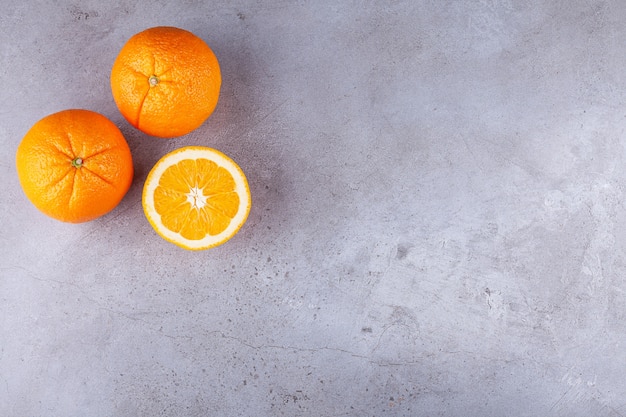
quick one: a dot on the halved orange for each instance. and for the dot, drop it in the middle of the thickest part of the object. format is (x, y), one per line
(196, 197)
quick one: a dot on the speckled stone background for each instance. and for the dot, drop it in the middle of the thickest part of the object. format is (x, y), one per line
(438, 223)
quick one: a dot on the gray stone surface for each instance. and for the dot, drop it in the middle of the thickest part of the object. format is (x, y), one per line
(438, 223)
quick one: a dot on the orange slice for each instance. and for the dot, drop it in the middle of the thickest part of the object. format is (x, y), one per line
(196, 197)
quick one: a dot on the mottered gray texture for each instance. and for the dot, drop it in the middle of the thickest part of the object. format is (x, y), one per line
(438, 224)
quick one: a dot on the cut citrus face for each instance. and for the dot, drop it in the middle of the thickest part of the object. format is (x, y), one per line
(196, 197)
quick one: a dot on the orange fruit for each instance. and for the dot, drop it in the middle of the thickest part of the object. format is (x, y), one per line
(166, 81)
(196, 197)
(74, 165)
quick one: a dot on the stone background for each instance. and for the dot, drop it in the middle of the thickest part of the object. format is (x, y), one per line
(438, 223)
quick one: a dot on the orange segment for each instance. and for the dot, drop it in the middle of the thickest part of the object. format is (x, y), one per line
(196, 197)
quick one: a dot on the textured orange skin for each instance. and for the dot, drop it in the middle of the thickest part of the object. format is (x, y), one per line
(61, 190)
(188, 87)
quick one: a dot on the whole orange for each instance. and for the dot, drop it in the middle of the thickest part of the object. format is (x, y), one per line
(74, 165)
(166, 81)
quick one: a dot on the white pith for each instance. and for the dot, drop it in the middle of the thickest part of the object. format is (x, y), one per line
(196, 197)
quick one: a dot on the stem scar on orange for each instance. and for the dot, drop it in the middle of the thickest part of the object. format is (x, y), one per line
(166, 81)
(74, 165)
